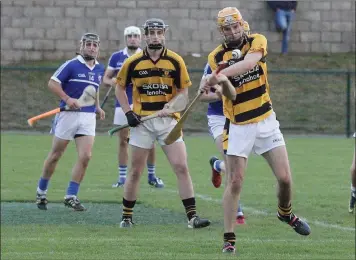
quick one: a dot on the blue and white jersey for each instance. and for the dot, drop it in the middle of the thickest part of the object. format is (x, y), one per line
(214, 108)
(115, 63)
(75, 75)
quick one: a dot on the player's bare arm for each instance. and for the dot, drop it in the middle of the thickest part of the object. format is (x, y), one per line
(99, 110)
(227, 89)
(56, 88)
(209, 96)
(243, 66)
(109, 78)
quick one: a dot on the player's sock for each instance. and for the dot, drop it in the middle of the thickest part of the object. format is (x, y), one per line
(285, 213)
(122, 173)
(230, 238)
(190, 208)
(353, 189)
(239, 211)
(217, 165)
(127, 208)
(151, 168)
(42, 185)
(72, 189)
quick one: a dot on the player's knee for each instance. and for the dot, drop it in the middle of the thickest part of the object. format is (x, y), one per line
(85, 158)
(136, 172)
(123, 142)
(285, 180)
(236, 184)
(55, 156)
(180, 168)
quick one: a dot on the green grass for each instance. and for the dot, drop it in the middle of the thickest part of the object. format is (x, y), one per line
(320, 169)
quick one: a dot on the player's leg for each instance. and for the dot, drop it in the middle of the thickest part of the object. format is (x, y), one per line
(216, 129)
(238, 143)
(270, 144)
(153, 180)
(141, 142)
(218, 168)
(123, 157)
(352, 203)
(58, 147)
(84, 136)
(234, 179)
(84, 145)
(177, 156)
(63, 129)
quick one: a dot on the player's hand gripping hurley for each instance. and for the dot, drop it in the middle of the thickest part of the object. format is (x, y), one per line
(176, 131)
(177, 104)
(86, 99)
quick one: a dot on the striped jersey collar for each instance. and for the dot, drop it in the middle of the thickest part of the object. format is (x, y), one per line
(163, 53)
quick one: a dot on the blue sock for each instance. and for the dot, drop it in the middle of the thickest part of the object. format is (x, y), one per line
(43, 184)
(122, 173)
(73, 189)
(151, 168)
(217, 165)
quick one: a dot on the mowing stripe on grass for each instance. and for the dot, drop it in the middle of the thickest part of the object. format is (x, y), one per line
(108, 239)
(265, 213)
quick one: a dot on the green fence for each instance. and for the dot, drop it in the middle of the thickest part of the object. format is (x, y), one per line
(306, 101)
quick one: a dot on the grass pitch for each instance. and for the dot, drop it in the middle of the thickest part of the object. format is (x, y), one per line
(320, 169)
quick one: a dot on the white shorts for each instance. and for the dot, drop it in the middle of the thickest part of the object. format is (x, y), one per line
(120, 117)
(68, 124)
(216, 125)
(258, 137)
(145, 134)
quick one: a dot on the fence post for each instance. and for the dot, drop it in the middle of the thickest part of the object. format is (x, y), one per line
(348, 105)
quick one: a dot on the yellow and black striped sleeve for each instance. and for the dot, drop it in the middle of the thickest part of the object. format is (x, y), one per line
(185, 81)
(259, 43)
(124, 75)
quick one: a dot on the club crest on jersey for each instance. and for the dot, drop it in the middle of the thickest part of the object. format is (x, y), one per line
(166, 73)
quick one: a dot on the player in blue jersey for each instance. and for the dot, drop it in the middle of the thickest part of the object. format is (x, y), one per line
(133, 41)
(216, 122)
(68, 83)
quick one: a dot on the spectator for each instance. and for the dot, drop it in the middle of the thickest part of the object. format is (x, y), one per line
(284, 15)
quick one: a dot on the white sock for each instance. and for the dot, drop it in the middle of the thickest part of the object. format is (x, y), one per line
(41, 192)
(353, 189)
(70, 196)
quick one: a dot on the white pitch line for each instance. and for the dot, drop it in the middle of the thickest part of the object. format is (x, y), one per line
(264, 213)
(108, 239)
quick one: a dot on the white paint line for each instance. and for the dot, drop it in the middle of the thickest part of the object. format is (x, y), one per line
(264, 213)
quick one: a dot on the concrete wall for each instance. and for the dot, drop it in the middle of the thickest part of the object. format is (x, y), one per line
(51, 29)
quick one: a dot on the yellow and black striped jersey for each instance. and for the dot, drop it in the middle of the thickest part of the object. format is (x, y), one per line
(253, 102)
(154, 83)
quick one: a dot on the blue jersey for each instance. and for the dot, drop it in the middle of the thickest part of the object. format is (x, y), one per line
(214, 108)
(115, 63)
(75, 75)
